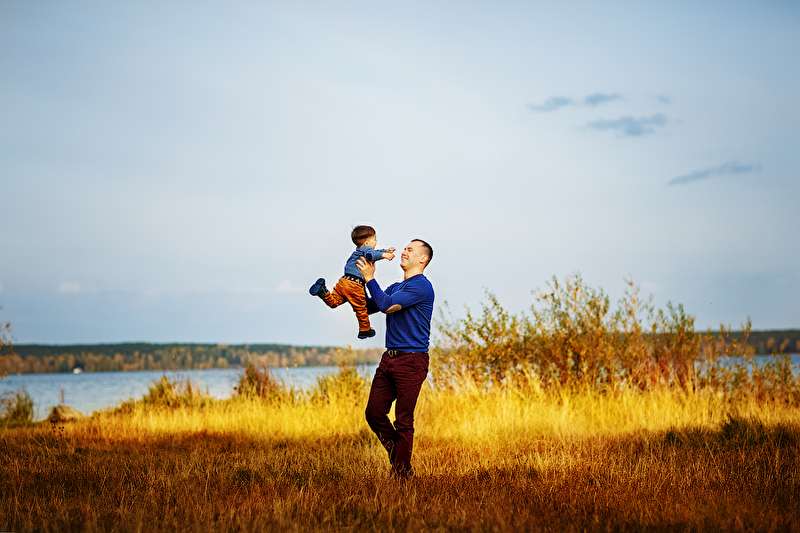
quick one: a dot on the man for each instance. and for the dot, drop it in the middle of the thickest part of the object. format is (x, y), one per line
(404, 365)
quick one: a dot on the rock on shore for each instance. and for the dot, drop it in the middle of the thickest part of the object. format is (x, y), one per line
(65, 413)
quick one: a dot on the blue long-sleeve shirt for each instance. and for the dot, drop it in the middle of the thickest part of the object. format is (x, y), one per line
(368, 252)
(408, 328)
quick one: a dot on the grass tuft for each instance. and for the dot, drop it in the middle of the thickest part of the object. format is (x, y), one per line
(16, 408)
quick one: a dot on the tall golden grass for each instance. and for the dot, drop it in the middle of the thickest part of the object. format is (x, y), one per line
(484, 461)
(494, 451)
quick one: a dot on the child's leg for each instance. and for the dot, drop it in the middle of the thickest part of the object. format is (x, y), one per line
(362, 316)
(357, 296)
(336, 297)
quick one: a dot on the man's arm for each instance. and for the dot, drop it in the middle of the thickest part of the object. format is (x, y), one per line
(380, 298)
(372, 307)
(402, 297)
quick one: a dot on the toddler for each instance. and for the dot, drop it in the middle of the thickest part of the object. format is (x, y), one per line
(350, 287)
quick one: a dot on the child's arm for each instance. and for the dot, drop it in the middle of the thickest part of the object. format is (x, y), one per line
(373, 255)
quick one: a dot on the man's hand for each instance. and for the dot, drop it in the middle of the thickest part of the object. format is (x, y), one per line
(366, 268)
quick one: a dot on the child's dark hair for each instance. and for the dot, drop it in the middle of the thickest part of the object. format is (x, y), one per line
(360, 234)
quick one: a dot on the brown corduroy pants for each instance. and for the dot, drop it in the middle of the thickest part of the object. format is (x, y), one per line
(347, 290)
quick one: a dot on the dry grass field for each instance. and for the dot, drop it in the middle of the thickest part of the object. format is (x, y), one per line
(654, 461)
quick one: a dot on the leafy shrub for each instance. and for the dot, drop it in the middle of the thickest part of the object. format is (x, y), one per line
(16, 407)
(258, 383)
(171, 393)
(345, 383)
(572, 339)
(180, 392)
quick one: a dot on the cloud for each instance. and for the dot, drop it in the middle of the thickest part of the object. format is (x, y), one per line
(68, 287)
(557, 102)
(725, 169)
(286, 286)
(664, 99)
(629, 126)
(552, 103)
(599, 98)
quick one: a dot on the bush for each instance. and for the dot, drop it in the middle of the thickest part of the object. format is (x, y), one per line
(171, 393)
(181, 392)
(258, 383)
(346, 383)
(16, 408)
(573, 340)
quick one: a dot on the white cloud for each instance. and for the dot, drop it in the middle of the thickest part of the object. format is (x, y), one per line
(286, 286)
(67, 287)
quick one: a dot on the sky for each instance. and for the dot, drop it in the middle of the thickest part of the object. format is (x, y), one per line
(184, 171)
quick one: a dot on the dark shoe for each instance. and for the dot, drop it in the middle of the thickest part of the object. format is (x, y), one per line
(318, 288)
(366, 334)
(400, 473)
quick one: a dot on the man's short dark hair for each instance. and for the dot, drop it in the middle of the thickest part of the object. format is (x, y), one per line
(360, 234)
(428, 250)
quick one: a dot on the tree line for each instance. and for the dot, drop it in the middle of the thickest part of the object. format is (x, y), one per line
(40, 358)
(771, 341)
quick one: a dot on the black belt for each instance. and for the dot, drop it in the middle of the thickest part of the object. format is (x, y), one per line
(353, 278)
(398, 353)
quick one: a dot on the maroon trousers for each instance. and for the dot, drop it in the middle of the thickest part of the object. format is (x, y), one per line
(397, 379)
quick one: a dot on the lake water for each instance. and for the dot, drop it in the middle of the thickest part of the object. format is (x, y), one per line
(93, 391)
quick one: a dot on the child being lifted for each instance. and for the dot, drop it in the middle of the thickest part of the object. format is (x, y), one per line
(350, 287)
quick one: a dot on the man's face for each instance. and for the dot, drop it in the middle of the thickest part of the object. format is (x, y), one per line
(412, 254)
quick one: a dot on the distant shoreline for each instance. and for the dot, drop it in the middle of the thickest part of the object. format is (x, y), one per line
(134, 356)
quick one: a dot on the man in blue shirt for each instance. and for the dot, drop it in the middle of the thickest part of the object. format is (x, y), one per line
(404, 365)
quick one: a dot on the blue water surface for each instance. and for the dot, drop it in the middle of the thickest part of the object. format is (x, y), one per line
(93, 391)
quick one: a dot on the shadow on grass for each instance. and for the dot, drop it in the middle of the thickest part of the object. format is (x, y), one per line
(736, 432)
